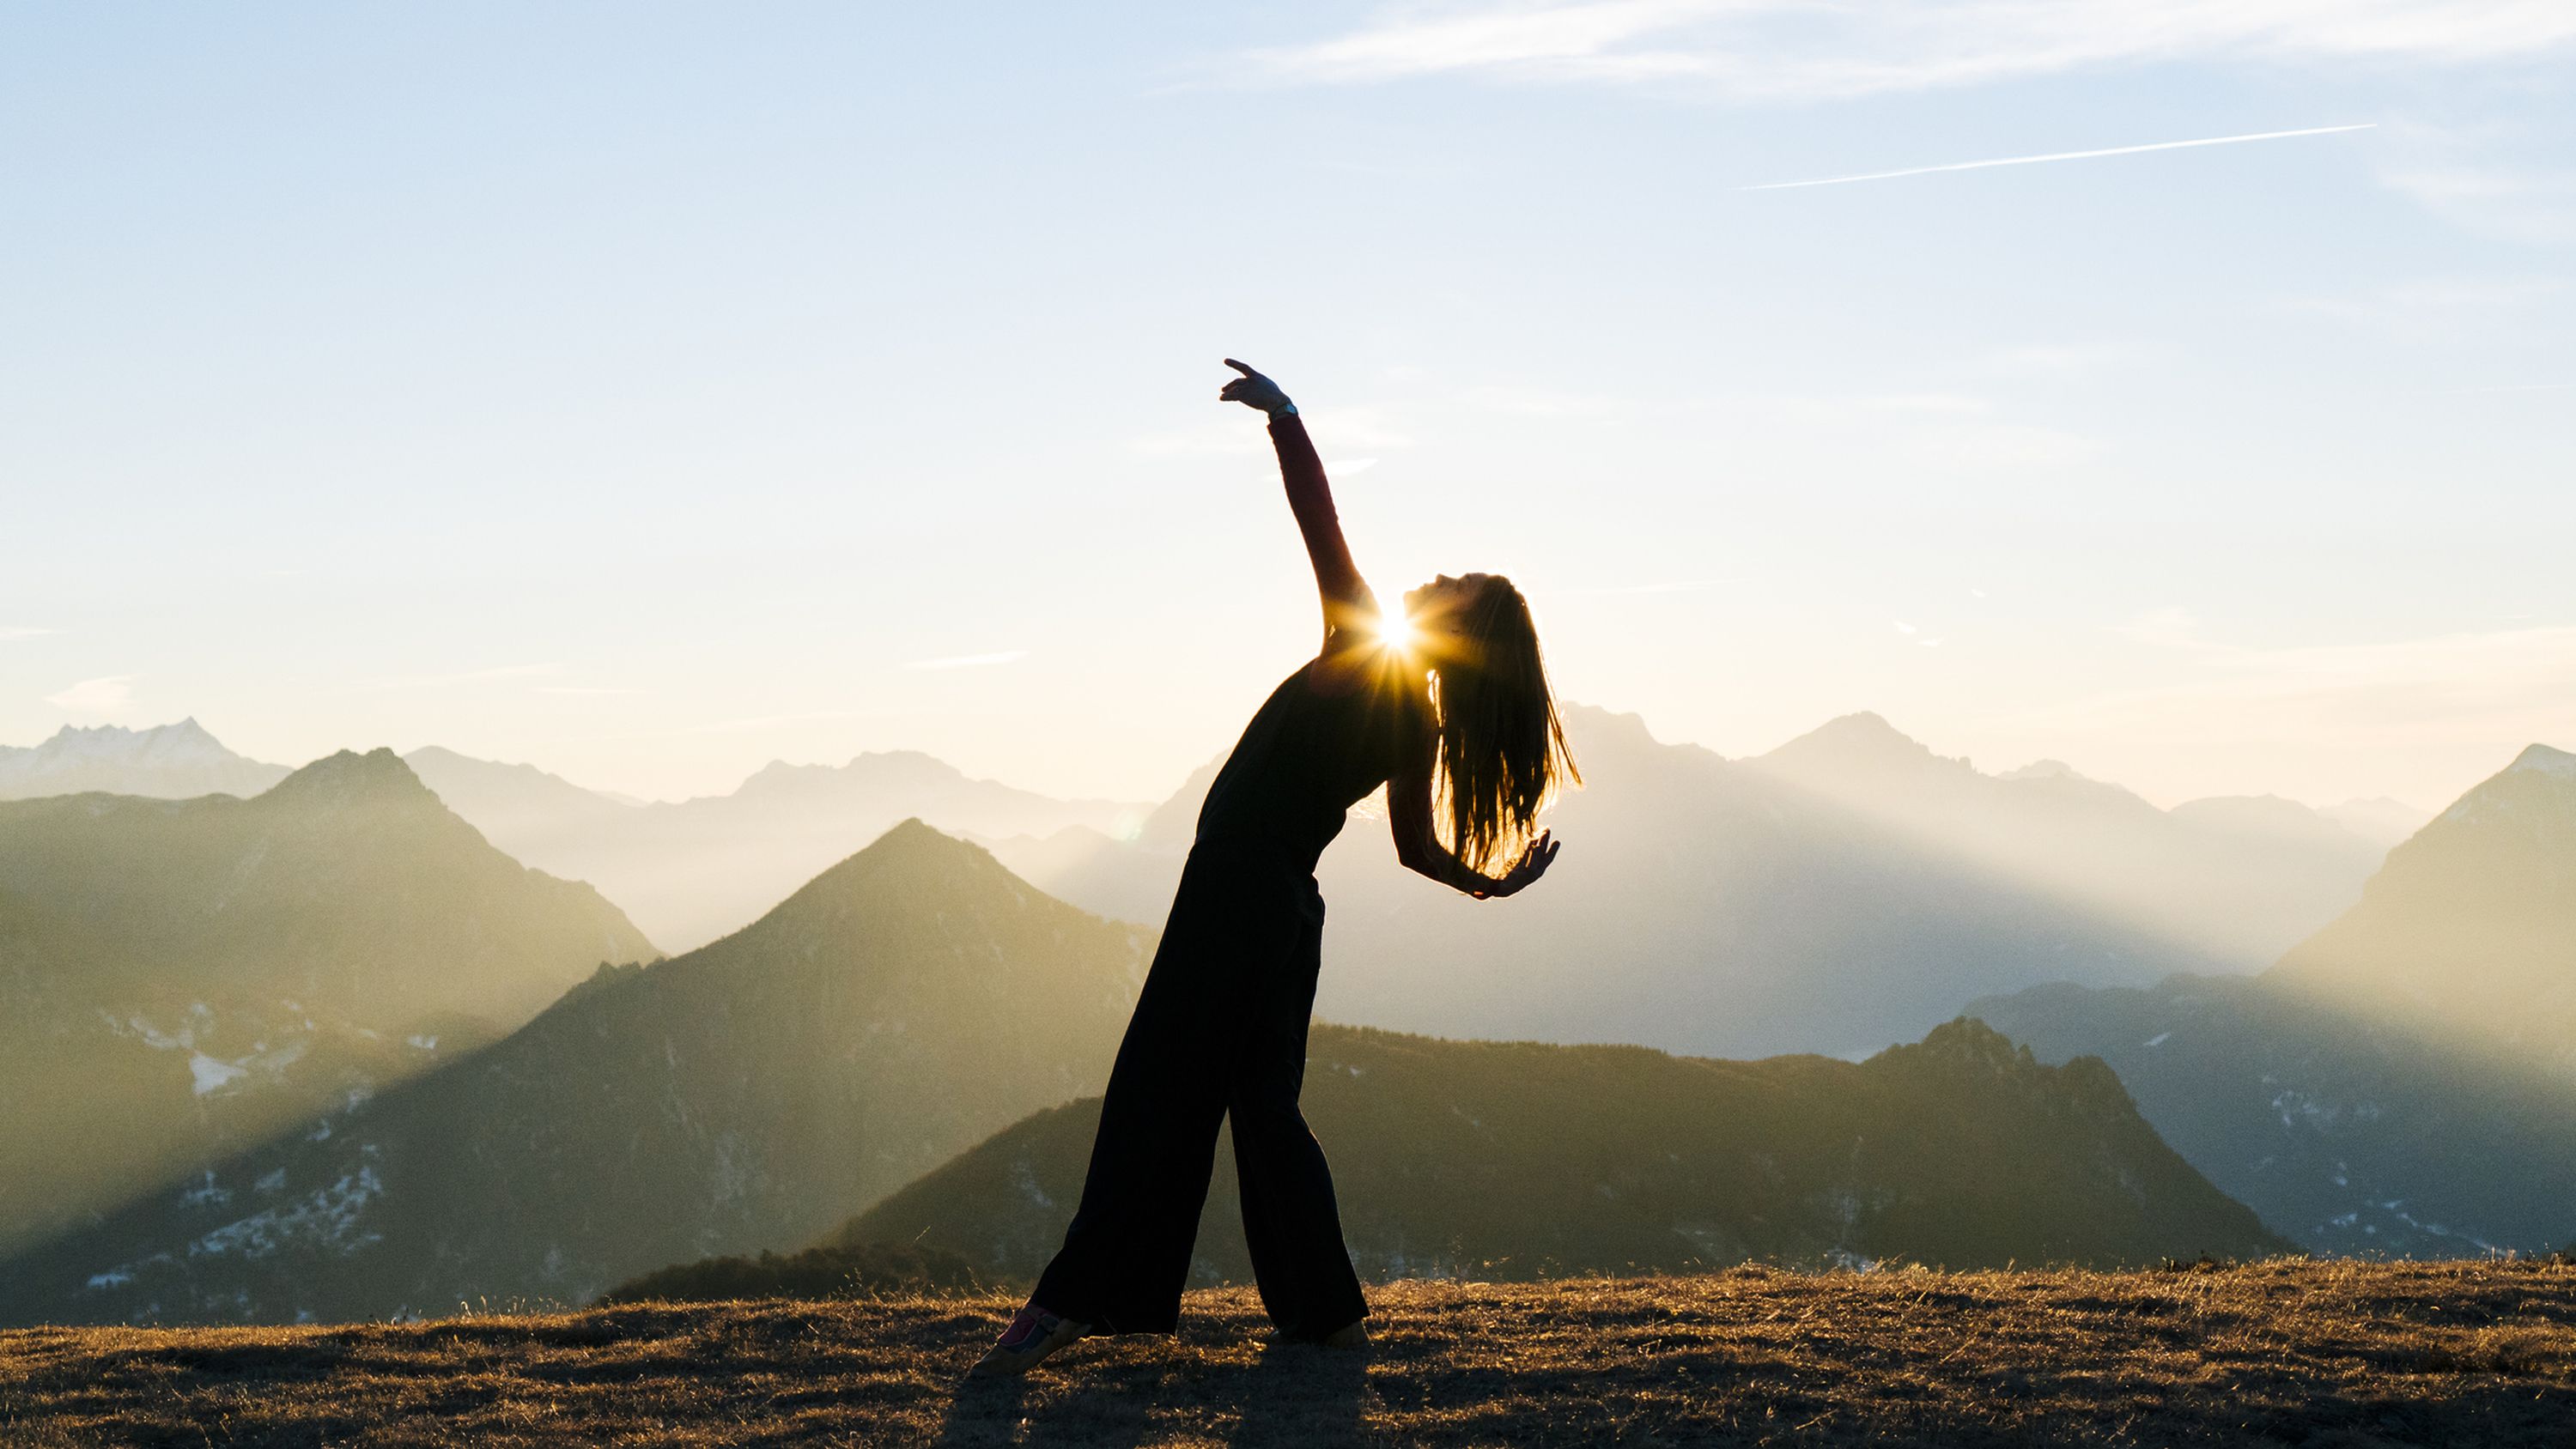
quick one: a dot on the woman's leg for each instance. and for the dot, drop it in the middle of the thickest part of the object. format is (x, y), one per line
(1126, 1256)
(1290, 1221)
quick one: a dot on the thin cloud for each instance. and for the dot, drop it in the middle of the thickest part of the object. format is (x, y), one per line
(23, 631)
(585, 691)
(2064, 156)
(2502, 177)
(105, 696)
(1794, 50)
(970, 661)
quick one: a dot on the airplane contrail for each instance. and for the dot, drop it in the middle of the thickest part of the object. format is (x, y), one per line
(2065, 156)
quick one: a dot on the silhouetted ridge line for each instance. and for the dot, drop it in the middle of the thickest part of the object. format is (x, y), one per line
(1519, 1160)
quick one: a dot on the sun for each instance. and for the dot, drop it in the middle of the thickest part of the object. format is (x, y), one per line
(1398, 634)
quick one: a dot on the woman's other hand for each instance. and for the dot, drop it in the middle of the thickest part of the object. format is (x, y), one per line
(1532, 864)
(1255, 391)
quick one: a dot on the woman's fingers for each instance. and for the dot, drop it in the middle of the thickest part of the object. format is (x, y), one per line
(1239, 367)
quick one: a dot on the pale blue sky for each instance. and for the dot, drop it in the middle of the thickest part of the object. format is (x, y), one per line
(651, 391)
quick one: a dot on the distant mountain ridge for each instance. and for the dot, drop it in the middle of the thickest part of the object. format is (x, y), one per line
(2404, 1080)
(897, 1008)
(171, 762)
(1845, 892)
(180, 977)
(692, 870)
(2240, 878)
(1522, 1160)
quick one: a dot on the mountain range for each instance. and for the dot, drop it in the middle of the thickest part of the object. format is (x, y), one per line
(1844, 892)
(169, 762)
(2034, 875)
(901, 1006)
(2404, 1080)
(916, 999)
(181, 977)
(692, 870)
(1523, 1160)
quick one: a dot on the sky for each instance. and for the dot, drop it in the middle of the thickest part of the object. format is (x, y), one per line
(652, 391)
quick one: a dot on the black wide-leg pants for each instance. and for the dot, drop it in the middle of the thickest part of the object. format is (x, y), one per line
(1219, 1032)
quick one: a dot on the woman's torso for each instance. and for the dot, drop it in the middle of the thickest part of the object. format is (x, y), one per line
(1327, 736)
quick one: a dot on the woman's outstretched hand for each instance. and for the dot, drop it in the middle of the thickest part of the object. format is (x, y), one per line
(1255, 391)
(1532, 864)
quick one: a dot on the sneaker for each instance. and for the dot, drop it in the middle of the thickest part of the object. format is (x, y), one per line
(1034, 1333)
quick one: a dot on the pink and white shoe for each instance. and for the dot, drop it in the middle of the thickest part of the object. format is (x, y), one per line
(1034, 1333)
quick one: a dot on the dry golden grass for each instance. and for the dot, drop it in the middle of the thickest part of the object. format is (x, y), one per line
(2285, 1352)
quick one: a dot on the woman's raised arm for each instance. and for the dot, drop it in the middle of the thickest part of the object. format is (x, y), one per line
(1346, 598)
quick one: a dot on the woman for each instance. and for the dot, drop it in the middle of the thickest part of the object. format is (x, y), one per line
(1458, 724)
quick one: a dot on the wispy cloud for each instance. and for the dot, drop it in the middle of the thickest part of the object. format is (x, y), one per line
(1793, 49)
(585, 691)
(970, 661)
(2064, 156)
(2498, 176)
(22, 631)
(104, 696)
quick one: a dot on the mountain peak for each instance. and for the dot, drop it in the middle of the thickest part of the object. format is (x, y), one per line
(2544, 760)
(909, 761)
(2532, 781)
(185, 732)
(349, 776)
(170, 761)
(1864, 740)
(912, 842)
(917, 863)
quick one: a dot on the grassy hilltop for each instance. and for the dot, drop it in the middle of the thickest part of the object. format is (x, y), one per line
(2326, 1354)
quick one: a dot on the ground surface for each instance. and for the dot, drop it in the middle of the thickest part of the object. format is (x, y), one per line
(2317, 1354)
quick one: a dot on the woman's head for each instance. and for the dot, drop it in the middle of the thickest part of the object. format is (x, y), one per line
(1502, 749)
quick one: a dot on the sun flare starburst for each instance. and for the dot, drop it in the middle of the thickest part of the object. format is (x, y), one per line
(1398, 634)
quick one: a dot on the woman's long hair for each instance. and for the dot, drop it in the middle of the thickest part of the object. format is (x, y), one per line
(1502, 748)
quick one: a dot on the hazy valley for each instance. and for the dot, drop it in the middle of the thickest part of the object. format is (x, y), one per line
(2404, 1080)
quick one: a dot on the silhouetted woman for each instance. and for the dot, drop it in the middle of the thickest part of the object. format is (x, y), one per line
(1455, 718)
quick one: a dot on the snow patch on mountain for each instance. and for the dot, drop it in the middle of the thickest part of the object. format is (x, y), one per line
(212, 1075)
(327, 1217)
